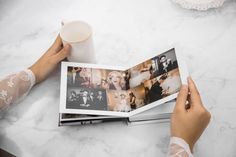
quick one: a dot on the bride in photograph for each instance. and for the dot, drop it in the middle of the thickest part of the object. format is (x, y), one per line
(123, 106)
(116, 80)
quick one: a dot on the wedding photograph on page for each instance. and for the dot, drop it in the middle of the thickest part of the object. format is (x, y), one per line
(86, 88)
(103, 90)
(152, 68)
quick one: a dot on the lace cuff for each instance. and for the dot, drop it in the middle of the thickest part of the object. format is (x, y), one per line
(15, 87)
(31, 77)
(179, 148)
(199, 4)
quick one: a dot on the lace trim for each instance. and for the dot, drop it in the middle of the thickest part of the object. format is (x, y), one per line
(28, 77)
(199, 4)
(31, 77)
(180, 142)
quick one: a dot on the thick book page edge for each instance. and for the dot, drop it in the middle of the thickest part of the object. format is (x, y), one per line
(88, 118)
(142, 122)
(154, 113)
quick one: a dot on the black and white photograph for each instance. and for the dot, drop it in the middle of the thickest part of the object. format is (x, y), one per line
(167, 61)
(85, 98)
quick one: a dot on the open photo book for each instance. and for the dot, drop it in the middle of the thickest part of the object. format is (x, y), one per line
(93, 91)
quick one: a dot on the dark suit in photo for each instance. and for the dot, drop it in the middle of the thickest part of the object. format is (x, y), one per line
(155, 93)
(163, 69)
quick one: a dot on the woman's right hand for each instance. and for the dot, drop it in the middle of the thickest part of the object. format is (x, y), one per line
(189, 123)
(50, 59)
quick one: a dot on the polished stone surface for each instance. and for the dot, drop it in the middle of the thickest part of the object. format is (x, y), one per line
(125, 33)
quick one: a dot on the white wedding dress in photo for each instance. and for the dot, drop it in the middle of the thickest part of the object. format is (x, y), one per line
(171, 84)
(199, 4)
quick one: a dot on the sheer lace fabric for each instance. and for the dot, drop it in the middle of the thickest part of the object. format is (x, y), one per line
(178, 148)
(15, 87)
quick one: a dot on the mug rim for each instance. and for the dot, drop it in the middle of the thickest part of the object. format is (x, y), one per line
(79, 41)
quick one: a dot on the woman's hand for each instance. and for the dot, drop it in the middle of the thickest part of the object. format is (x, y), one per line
(48, 62)
(189, 123)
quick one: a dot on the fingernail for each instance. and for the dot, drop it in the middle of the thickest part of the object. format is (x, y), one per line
(67, 47)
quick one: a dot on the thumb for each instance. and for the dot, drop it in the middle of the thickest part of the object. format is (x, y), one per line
(62, 54)
(182, 98)
(194, 94)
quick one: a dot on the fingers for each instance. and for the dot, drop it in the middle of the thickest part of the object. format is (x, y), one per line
(57, 45)
(62, 54)
(182, 98)
(194, 94)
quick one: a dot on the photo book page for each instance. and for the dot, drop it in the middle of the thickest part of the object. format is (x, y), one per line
(91, 89)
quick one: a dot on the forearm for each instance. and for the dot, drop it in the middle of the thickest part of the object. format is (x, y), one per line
(15, 87)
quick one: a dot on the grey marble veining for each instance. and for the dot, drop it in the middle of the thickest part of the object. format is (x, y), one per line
(125, 33)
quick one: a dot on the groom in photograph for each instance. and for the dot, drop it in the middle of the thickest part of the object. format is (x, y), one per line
(100, 101)
(165, 65)
(84, 100)
(156, 91)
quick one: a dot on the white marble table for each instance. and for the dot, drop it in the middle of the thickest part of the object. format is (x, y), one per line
(125, 32)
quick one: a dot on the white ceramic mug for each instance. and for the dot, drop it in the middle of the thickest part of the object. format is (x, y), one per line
(79, 35)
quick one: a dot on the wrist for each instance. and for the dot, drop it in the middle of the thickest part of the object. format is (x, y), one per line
(191, 145)
(182, 143)
(31, 76)
(35, 72)
(188, 141)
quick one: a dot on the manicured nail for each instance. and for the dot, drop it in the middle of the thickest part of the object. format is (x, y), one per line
(67, 47)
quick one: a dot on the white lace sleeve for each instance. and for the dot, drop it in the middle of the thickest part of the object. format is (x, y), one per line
(178, 148)
(15, 87)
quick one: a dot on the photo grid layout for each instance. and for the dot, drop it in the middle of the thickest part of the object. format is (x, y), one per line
(123, 91)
